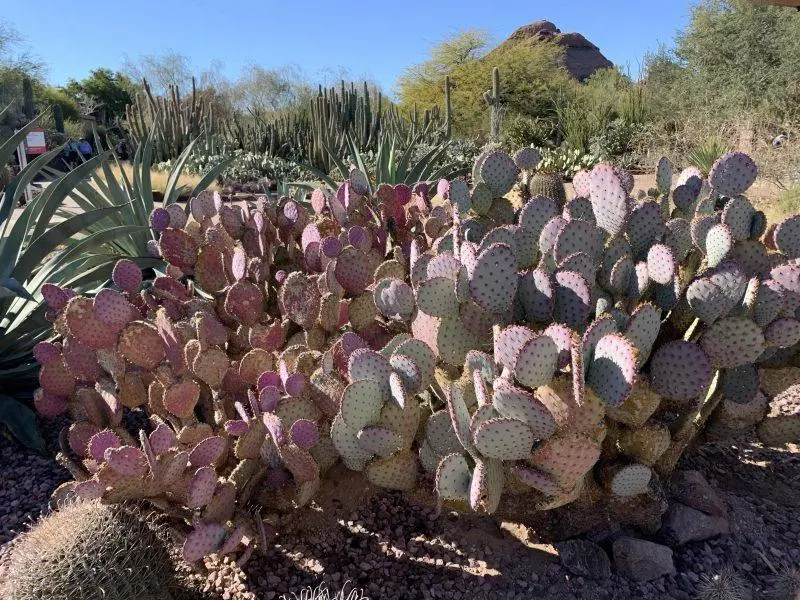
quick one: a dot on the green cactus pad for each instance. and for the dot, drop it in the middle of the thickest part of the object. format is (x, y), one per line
(481, 198)
(643, 329)
(562, 336)
(572, 299)
(527, 158)
(578, 236)
(580, 207)
(783, 332)
(397, 472)
(732, 342)
(738, 217)
(597, 329)
(787, 237)
(459, 195)
(459, 417)
(678, 237)
(428, 458)
(661, 264)
(631, 480)
(566, 458)
(201, 488)
(453, 478)
(499, 172)
(404, 421)
(516, 403)
(493, 283)
(419, 352)
(379, 440)
(504, 439)
(684, 198)
(535, 293)
(550, 233)
(719, 243)
(733, 174)
(645, 226)
(664, 175)
(535, 362)
(536, 213)
(486, 486)
(536, 479)
(580, 263)
(613, 369)
(609, 200)
(345, 440)
(680, 370)
(361, 403)
(204, 540)
(769, 301)
(437, 297)
(700, 226)
(741, 384)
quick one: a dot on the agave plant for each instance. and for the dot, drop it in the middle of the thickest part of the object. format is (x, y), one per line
(393, 165)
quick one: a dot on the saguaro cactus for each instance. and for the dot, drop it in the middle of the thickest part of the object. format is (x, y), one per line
(493, 100)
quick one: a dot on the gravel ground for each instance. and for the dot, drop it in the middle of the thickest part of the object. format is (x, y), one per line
(395, 549)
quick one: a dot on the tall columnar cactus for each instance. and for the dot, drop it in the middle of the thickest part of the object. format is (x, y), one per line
(493, 99)
(563, 351)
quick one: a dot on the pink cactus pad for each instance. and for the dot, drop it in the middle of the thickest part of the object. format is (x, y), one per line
(159, 219)
(46, 352)
(49, 405)
(102, 441)
(304, 433)
(111, 308)
(127, 276)
(127, 460)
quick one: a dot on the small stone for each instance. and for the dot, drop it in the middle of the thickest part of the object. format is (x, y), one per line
(641, 560)
(584, 559)
(692, 489)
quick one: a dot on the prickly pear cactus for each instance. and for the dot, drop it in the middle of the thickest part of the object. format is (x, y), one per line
(565, 350)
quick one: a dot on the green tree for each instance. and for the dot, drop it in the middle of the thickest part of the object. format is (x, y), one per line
(743, 58)
(531, 76)
(103, 89)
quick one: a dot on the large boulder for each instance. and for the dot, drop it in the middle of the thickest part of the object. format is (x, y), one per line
(581, 57)
(683, 524)
(584, 559)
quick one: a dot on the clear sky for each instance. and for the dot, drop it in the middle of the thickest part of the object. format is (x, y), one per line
(373, 39)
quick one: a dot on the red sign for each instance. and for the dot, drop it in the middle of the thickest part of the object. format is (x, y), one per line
(34, 142)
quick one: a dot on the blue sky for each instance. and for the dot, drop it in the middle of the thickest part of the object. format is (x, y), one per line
(373, 39)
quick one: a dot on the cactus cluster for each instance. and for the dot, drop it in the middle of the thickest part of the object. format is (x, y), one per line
(562, 350)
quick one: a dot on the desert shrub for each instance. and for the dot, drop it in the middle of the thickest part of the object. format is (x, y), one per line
(788, 203)
(519, 130)
(321, 592)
